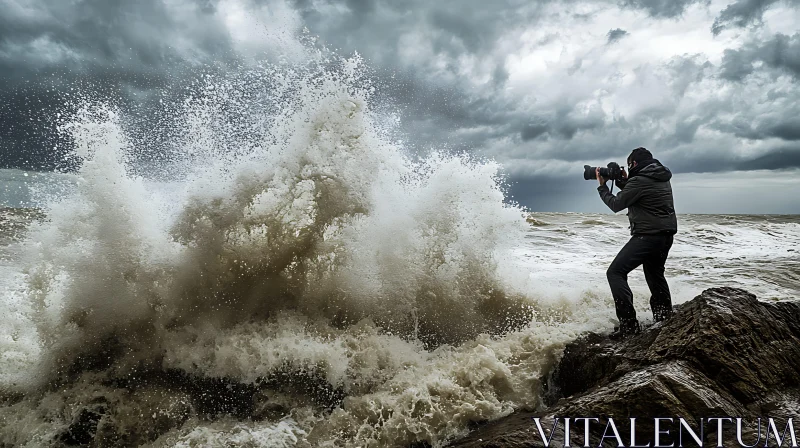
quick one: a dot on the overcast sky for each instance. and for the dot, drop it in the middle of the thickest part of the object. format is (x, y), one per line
(711, 87)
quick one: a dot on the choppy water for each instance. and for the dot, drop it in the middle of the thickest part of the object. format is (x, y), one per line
(755, 252)
(300, 265)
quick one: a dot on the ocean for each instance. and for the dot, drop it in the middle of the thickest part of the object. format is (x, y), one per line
(297, 279)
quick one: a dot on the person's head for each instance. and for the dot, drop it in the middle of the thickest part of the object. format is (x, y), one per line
(638, 156)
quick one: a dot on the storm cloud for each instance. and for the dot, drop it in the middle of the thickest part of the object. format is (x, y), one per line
(542, 86)
(741, 14)
(662, 8)
(616, 34)
(781, 54)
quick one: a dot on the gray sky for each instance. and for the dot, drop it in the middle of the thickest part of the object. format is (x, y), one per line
(711, 87)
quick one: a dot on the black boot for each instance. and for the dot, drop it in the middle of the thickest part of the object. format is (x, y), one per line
(627, 328)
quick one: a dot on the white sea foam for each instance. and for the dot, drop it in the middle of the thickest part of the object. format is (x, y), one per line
(297, 242)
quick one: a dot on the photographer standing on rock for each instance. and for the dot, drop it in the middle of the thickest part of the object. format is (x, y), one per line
(647, 194)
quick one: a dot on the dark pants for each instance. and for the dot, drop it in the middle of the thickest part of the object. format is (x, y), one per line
(650, 251)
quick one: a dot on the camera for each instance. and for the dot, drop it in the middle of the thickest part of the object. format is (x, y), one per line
(612, 172)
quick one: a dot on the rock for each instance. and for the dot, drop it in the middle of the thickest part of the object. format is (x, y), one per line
(723, 353)
(119, 417)
(140, 407)
(83, 428)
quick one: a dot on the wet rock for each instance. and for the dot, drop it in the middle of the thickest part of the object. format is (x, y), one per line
(142, 416)
(210, 398)
(140, 407)
(724, 353)
(83, 428)
(269, 405)
(119, 417)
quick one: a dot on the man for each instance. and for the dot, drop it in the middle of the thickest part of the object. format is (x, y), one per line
(647, 194)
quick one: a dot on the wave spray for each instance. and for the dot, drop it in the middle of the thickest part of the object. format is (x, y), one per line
(299, 279)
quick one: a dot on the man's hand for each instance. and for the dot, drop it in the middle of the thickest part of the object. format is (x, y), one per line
(624, 174)
(600, 179)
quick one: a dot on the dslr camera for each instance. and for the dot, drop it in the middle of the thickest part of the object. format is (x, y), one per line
(612, 172)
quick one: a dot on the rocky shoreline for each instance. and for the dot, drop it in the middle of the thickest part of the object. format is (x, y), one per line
(724, 353)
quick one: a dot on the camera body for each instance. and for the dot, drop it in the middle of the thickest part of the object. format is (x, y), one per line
(612, 172)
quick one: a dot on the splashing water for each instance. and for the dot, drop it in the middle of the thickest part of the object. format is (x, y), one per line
(331, 289)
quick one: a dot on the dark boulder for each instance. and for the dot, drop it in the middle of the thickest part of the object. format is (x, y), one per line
(724, 353)
(83, 428)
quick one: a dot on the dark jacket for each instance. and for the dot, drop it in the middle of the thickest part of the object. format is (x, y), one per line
(647, 195)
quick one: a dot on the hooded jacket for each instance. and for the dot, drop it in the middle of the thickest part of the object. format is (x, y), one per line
(647, 194)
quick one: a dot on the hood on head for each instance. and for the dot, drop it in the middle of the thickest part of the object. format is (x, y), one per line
(656, 171)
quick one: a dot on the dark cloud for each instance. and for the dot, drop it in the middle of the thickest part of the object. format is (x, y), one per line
(615, 35)
(127, 53)
(559, 192)
(449, 71)
(741, 14)
(787, 130)
(782, 158)
(378, 29)
(686, 70)
(737, 64)
(760, 128)
(662, 8)
(563, 124)
(94, 34)
(533, 130)
(27, 138)
(781, 54)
